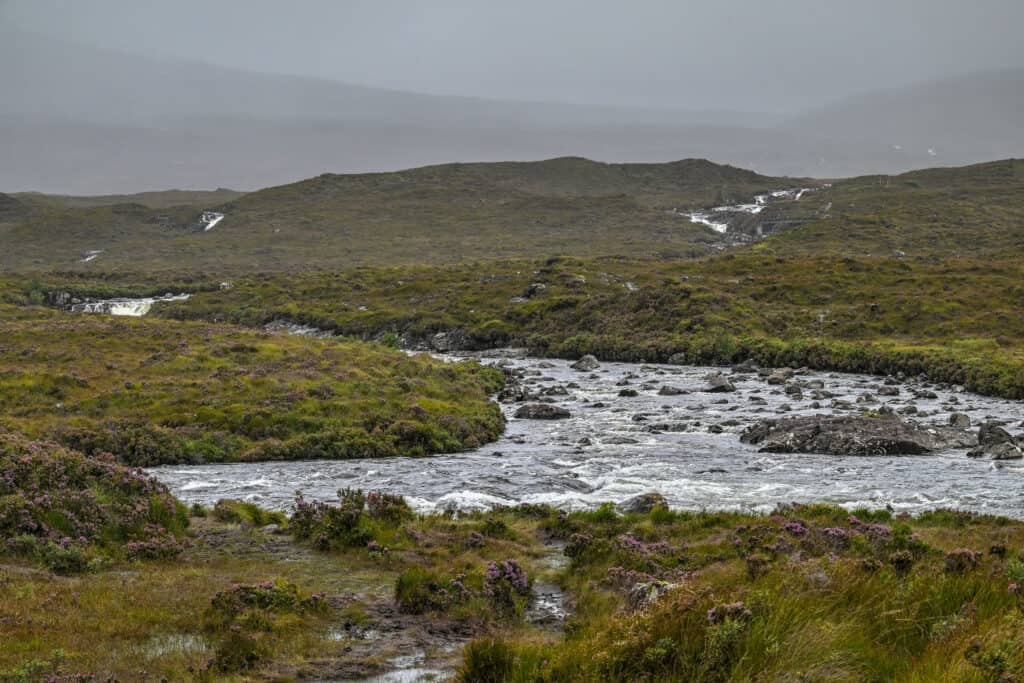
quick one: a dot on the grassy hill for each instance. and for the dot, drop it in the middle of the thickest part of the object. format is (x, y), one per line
(932, 214)
(441, 214)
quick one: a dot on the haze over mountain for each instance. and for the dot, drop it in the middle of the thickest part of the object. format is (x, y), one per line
(88, 108)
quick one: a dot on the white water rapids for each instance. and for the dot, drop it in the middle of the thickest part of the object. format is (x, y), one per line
(713, 218)
(684, 446)
(129, 307)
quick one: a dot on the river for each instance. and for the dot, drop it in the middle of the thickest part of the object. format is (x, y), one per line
(684, 446)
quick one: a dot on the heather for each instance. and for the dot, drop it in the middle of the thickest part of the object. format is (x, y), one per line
(153, 392)
(71, 512)
(811, 592)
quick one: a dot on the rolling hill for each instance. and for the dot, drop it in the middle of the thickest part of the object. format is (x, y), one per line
(441, 214)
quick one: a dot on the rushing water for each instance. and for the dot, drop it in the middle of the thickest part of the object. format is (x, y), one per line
(130, 307)
(611, 449)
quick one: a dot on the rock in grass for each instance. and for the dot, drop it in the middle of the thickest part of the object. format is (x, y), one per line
(641, 595)
(542, 411)
(852, 435)
(643, 503)
(586, 364)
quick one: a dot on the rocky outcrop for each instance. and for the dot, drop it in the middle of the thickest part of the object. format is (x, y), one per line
(542, 411)
(853, 435)
(586, 364)
(452, 340)
(996, 443)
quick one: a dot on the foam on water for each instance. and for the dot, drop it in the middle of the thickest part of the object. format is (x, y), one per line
(571, 463)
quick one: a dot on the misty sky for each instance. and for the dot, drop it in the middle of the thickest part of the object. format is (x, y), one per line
(754, 55)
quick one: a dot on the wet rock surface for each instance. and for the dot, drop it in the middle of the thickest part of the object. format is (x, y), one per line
(685, 446)
(853, 435)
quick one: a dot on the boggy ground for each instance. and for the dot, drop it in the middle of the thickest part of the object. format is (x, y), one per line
(809, 593)
(248, 602)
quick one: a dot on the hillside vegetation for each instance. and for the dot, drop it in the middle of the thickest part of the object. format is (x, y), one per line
(152, 392)
(442, 214)
(913, 273)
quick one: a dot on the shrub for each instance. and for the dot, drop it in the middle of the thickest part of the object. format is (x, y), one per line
(506, 585)
(242, 512)
(486, 660)
(961, 560)
(331, 526)
(76, 506)
(418, 590)
(386, 507)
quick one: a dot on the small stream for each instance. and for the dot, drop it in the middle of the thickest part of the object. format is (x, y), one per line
(684, 446)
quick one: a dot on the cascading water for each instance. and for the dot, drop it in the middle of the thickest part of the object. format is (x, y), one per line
(126, 307)
(683, 445)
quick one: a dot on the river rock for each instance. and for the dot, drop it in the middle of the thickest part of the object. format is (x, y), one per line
(996, 443)
(745, 368)
(542, 411)
(780, 376)
(959, 420)
(669, 390)
(586, 364)
(629, 393)
(719, 383)
(645, 502)
(852, 435)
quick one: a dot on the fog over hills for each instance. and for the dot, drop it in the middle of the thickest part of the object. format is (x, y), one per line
(86, 120)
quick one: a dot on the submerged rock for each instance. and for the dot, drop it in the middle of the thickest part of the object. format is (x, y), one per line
(586, 364)
(542, 411)
(852, 435)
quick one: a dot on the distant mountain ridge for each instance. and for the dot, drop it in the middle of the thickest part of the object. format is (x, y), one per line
(86, 121)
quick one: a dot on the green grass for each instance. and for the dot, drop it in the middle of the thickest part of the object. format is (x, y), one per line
(441, 214)
(154, 392)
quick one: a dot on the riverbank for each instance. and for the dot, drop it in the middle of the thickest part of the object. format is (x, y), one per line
(156, 392)
(812, 591)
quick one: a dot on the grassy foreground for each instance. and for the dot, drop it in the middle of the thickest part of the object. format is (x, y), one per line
(808, 593)
(153, 392)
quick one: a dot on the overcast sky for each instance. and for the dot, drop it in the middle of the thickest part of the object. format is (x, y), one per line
(760, 55)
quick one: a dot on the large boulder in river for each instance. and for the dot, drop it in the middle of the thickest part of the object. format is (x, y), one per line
(645, 502)
(853, 435)
(586, 364)
(719, 383)
(996, 443)
(542, 411)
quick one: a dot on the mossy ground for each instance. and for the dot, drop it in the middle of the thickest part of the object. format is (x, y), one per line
(809, 593)
(153, 392)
